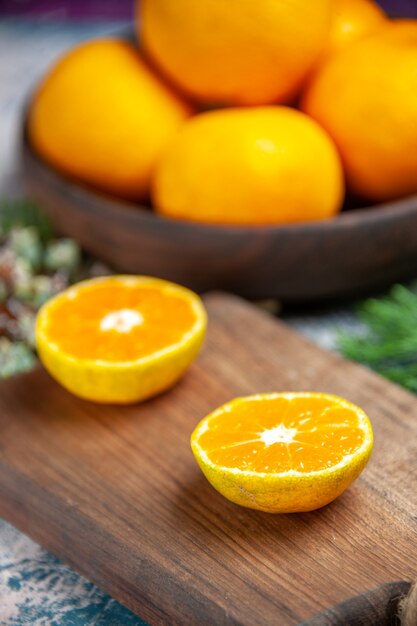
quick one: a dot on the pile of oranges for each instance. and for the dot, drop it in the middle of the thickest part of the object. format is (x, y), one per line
(239, 112)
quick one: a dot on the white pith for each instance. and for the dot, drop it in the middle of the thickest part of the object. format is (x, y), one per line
(121, 321)
(278, 434)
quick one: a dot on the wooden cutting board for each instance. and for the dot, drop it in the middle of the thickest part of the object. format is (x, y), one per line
(115, 492)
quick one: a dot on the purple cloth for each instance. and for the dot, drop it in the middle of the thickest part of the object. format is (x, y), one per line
(69, 9)
(400, 8)
(123, 9)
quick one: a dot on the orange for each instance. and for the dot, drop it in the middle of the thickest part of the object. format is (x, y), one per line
(352, 19)
(120, 339)
(366, 98)
(283, 452)
(104, 118)
(263, 165)
(235, 51)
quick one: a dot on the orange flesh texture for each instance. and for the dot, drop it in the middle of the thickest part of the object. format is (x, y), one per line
(315, 434)
(75, 324)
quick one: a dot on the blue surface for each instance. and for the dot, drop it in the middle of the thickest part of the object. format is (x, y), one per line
(36, 588)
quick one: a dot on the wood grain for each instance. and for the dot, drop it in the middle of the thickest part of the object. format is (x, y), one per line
(116, 493)
(357, 251)
(376, 607)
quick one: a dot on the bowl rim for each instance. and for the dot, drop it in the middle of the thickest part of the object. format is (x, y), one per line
(368, 215)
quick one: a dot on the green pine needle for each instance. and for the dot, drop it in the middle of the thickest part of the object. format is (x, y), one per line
(387, 342)
(16, 213)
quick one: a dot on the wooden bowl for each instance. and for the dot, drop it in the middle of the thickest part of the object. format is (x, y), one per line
(359, 251)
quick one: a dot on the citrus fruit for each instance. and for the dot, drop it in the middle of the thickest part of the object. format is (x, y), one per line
(352, 19)
(235, 51)
(283, 452)
(365, 96)
(261, 165)
(104, 118)
(120, 339)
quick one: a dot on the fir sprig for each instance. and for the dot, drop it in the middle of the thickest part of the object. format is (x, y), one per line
(34, 266)
(387, 340)
(18, 213)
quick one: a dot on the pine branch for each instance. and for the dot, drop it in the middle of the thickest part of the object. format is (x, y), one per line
(22, 213)
(387, 341)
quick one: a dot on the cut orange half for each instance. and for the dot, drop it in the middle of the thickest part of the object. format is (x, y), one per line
(120, 339)
(283, 452)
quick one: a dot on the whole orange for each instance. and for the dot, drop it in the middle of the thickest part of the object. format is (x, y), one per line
(260, 165)
(366, 98)
(235, 51)
(352, 19)
(103, 117)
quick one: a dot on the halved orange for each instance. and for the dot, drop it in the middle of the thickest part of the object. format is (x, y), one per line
(122, 338)
(283, 452)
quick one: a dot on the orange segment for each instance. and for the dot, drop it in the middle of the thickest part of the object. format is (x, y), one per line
(120, 339)
(119, 320)
(294, 451)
